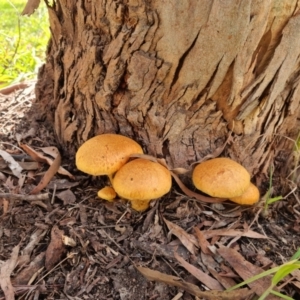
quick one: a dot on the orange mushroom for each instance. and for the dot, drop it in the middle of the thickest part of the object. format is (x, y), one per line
(105, 154)
(141, 181)
(107, 193)
(221, 177)
(249, 197)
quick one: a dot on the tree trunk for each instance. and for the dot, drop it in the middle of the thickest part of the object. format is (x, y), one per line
(177, 76)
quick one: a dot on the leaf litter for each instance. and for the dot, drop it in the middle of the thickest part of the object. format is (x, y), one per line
(74, 245)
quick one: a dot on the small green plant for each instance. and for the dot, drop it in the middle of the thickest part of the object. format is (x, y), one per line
(279, 272)
(296, 157)
(23, 41)
(267, 197)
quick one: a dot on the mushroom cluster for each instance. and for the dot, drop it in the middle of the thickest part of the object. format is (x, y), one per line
(138, 181)
(141, 180)
(224, 178)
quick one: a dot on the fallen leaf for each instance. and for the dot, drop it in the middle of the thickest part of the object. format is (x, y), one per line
(61, 184)
(28, 165)
(207, 280)
(44, 159)
(35, 238)
(56, 249)
(193, 289)
(30, 7)
(234, 233)
(161, 249)
(12, 164)
(48, 175)
(186, 239)
(26, 274)
(212, 265)
(203, 243)
(52, 151)
(67, 197)
(246, 270)
(6, 268)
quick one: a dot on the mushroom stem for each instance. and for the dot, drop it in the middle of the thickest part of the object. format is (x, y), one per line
(110, 177)
(140, 205)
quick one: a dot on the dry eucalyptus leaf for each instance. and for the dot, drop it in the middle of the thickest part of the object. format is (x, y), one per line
(12, 164)
(66, 196)
(6, 268)
(48, 175)
(246, 270)
(186, 239)
(233, 232)
(207, 280)
(44, 159)
(29, 165)
(61, 184)
(203, 243)
(193, 289)
(52, 151)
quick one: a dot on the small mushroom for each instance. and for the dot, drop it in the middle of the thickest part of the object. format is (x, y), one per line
(141, 181)
(249, 197)
(107, 193)
(105, 154)
(221, 177)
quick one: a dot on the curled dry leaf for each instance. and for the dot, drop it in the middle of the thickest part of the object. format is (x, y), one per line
(56, 249)
(12, 164)
(44, 159)
(48, 175)
(193, 289)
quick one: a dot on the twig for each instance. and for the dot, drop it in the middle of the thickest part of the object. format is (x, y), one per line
(44, 196)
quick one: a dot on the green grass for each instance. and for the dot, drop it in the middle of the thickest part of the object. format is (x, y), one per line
(23, 41)
(279, 272)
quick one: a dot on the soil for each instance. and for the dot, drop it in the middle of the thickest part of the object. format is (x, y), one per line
(65, 243)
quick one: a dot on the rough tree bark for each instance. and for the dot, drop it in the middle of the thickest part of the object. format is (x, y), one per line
(177, 76)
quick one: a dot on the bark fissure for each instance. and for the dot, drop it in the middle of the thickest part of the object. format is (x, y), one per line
(176, 78)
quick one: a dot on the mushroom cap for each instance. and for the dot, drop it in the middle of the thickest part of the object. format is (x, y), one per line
(106, 153)
(221, 177)
(249, 197)
(142, 179)
(107, 193)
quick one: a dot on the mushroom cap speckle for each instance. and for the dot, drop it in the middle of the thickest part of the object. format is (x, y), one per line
(221, 177)
(142, 179)
(106, 153)
(249, 197)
